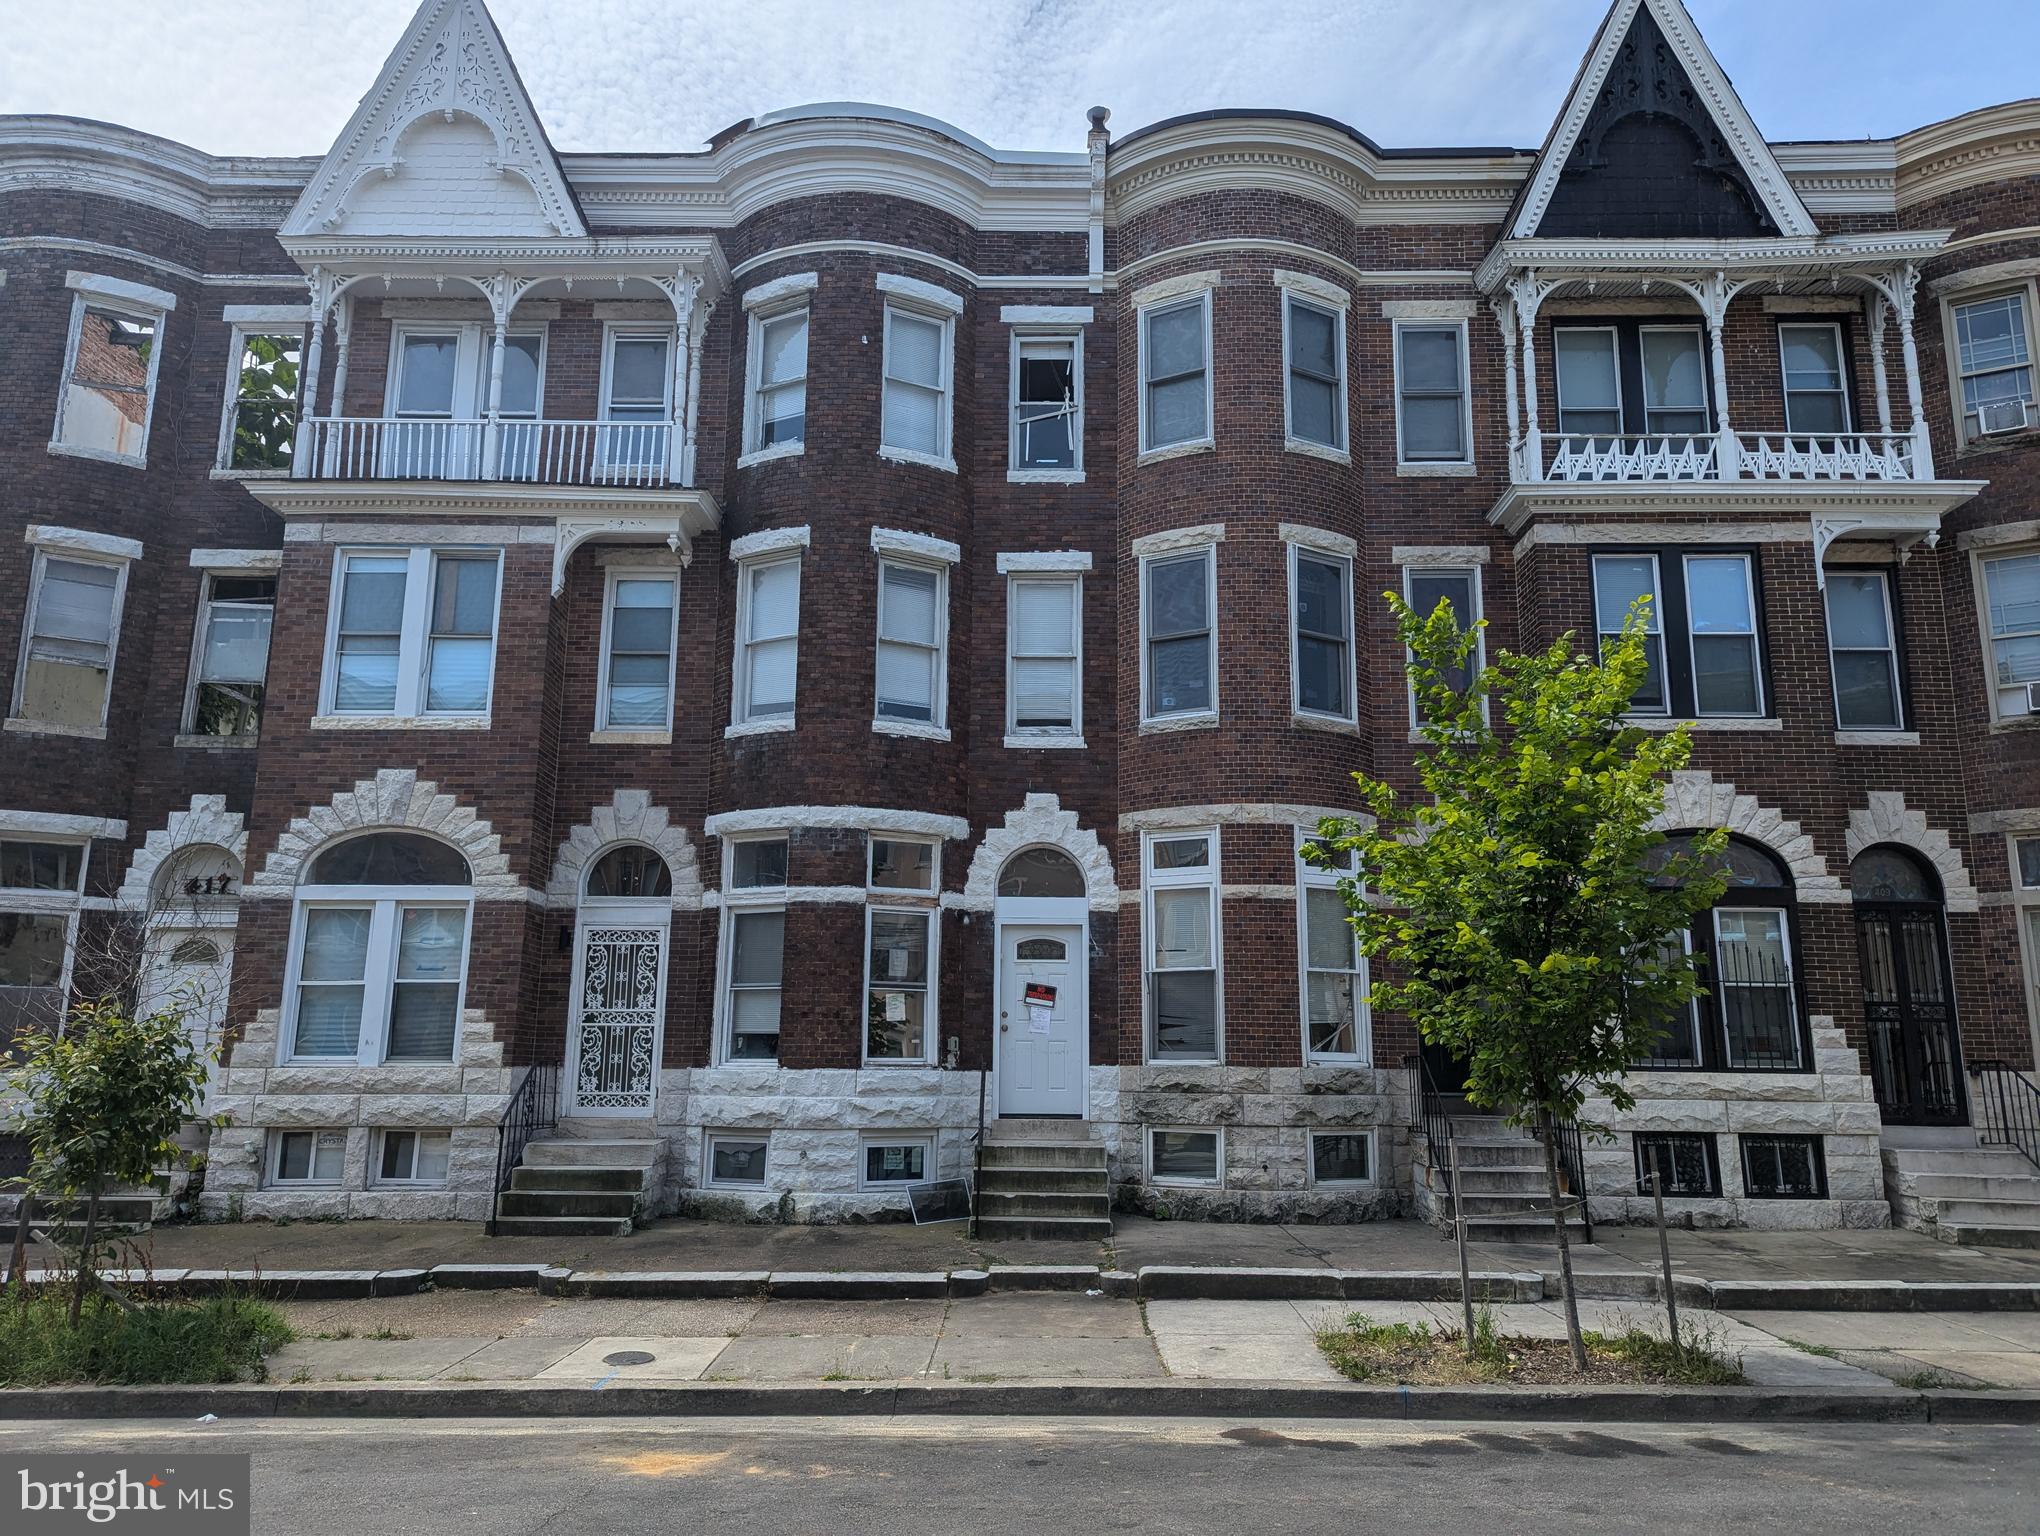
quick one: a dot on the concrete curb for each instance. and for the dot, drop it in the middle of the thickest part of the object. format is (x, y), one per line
(1173, 1399)
(1156, 1282)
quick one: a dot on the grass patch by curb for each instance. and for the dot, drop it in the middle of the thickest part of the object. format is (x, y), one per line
(1415, 1354)
(217, 1339)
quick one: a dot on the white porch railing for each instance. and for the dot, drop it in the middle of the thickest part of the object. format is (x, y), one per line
(623, 453)
(1588, 459)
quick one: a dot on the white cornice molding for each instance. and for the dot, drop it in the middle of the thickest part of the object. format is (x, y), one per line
(1360, 277)
(914, 291)
(791, 285)
(860, 818)
(769, 541)
(68, 154)
(1999, 143)
(915, 546)
(426, 499)
(1893, 505)
(78, 541)
(1058, 561)
(118, 290)
(1818, 257)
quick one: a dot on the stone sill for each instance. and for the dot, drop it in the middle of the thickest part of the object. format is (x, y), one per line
(1447, 469)
(1044, 743)
(1176, 451)
(1167, 723)
(399, 723)
(100, 455)
(1704, 723)
(768, 455)
(209, 743)
(21, 727)
(912, 730)
(1334, 725)
(1877, 738)
(630, 738)
(1044, 477)
(1313, 450)
(772, 727)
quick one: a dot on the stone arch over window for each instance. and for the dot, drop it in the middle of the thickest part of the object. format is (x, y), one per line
(1040, 822)
(207, 824)
(630, 817)
(1695, 798)
(394, 798)
(1887, 819)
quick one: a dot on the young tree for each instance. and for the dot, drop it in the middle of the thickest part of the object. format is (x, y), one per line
(102, 1104)
(1528, 916)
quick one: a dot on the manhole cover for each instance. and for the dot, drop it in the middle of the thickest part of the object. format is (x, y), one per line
(629, 1357)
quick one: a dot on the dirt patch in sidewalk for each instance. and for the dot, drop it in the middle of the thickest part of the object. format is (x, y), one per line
(1416, 1355)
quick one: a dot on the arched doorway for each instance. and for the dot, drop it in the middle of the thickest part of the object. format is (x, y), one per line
(619, 988)
(1041, 924)
(188, 952)
(1908, 995)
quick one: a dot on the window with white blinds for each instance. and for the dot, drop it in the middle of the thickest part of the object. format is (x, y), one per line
(637, 652)
(1044, 650)
(768, 640)
(916, 415)
(912, 603)
(413, 632)
(73, 623)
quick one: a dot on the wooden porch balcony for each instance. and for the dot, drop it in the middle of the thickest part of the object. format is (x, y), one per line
(603, 453)
(1776, 457)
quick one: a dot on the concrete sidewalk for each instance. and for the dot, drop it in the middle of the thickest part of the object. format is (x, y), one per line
(1136, 1243)
(454, 1336)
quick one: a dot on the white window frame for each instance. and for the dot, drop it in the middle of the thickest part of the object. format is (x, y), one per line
(615, 574)
(1207, 551)
(201, 631)
(377, 1179)
(936, 727)
(1335, 311)
(1884, 577)
(631, 330)
(1785, 390)
(239, 332)
(414, 648)
(1472, 571)
(2026, 913)
(385, 904)
(911, 299)
(2029, 295)
(1153, 880)
(893, 903)
(708, 1145)
(1351, 714)
(1216, 1132)
(1981, 561)
(131, 301)
(1015, 472)
(1145, 312)
(926, 1140)
(742, 721)
(1656, 627)
(31, 901)
(1403, 462)
(886, 893)
(1310, 877)
(1706, 407)
(1756, 633)
(80, 553)
(1373, 1141)
(1071, 735)
(743, 900)
(1719, 986)
(798, 302)
(1614, 338)
(272, 1160)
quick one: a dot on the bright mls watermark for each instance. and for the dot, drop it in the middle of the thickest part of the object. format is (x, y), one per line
(174, 1495)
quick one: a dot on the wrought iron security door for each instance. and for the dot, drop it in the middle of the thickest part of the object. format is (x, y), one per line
(1909, 1011)
(619, 991)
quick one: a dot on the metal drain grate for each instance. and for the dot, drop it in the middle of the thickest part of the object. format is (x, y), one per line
(629, 1357)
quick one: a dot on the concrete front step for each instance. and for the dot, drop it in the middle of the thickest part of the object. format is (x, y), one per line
(1051, 1229)
(1500, 1178)
(1988, 1213)
(1021, 1128)
(1970, 1186)
(1987, 1237)
(584, 1152)
(999, 1204)
(563, 1226)
(567, 1202)
(1021, 1154)
(591, 1176)
(1046, 1181)
(1988, 1160)
(1504, 1230)
(1491, 1152)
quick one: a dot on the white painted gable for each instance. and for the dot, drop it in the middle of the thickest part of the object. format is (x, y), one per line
(1738, 129)
(445, 143)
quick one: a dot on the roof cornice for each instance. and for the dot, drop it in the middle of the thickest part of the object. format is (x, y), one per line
(1998, 143)
(71, 154)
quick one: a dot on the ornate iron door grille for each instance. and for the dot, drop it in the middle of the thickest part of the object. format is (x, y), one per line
(1909, 1013)
(616, 1055)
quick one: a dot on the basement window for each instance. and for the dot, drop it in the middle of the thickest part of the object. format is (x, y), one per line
(1685, 1160)
(1185, 1157)
(1783, 1168)
(898, 1160)
(1345, 1157)
(307, 1157)
(737, 1162)
(413, 1157)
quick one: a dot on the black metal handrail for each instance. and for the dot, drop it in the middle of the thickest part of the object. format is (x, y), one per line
(1427, 1105)
(978, 1170)
(2007, 1108)
(1572, 1170)
(534, 1107)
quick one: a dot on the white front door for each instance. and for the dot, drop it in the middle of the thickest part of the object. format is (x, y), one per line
(619, 1012)
(186, 971)
(1043, 1020)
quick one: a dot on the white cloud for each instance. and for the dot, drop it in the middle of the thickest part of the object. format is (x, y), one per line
(231, 76)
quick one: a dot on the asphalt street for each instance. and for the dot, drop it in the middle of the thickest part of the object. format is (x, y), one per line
(989, 1476)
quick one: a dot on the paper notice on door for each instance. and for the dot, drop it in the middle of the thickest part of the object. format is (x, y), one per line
(1038, 1015)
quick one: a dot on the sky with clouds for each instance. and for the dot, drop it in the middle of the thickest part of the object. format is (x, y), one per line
(282, 76)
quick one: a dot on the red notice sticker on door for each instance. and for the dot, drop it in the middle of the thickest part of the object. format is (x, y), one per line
(1039, 992)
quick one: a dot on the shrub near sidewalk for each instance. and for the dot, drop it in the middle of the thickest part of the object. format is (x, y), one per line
(1417, 1355)
(219, 1339)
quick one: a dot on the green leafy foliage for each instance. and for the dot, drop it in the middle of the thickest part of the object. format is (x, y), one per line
(266, 407)
(219, 1339)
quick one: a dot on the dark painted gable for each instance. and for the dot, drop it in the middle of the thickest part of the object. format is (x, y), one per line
(1650, 162)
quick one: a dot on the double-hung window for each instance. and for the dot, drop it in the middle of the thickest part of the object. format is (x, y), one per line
(1993, 347)
(902, 929)
(1705, 657)
(913, 619)
(754, 946)
(1321, 634)
(1863, 651)
(1181, 954)
(111, 358)
(75, 596)
(768, 641)
(1048, 406)
(41, 886)
(413, 633)
(1625, 378)
(919, 362)
(2011, 587)
(380, 953)
(1433, 417)
(1424, 588)
(306, 1157)
(1335, 1019)
(1044, 657)
(1314, 339)
(1587, 368)
(413, 1157)
(264, 393)
(234, 618)
(1179, 641)
(640, 618)
(637, 399)
(775, 405)
(1175, 373)
(2026, 895)
(1674, 380)
(1816, 388)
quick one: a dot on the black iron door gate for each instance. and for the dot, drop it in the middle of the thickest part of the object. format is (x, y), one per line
(1909, 1008)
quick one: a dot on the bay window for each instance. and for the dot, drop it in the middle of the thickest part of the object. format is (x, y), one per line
(1181, 969)
(1321, 634)
(913, 612)
(107, 396)
(899, 1002)
(768, 640)
(42, 884)
(1314, 336)
(1992, 343)
(916, 407)
(1334, 979)
(1175, 373)
(2011, 589)
(775, 406)
(754, 947)
(236, 610)
(1179, 601)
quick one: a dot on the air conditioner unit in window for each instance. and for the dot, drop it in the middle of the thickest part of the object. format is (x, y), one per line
(2033, 698)
(2001, 416)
